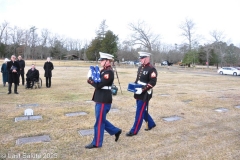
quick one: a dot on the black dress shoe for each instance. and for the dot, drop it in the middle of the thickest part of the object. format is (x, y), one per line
(117, 135)
(148, 129)
(129, 134)
(90, 146)
(16, 92)
(9, 92)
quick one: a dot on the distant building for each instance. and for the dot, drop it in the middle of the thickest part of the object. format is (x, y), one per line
(71, 57)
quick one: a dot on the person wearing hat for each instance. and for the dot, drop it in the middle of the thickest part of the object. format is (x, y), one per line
(13, 69)
(4, 71)
(21, 63)
(102, 96)
(147, 77)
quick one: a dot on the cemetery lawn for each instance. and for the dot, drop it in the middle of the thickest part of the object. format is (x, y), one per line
(193, 95)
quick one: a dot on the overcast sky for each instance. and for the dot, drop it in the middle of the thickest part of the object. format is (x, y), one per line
(79, 19)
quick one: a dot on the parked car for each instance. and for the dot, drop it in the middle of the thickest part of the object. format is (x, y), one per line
(137, 63)
(166, 63)
(238, 68)
(229, 70)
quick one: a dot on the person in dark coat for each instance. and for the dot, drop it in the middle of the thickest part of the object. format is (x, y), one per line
(32, 75)
(147, 77)
(102, 96)
(4, 71)
(48, 67)
(13, 69)
(21, 63)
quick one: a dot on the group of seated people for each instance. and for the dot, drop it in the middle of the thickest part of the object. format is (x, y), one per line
(32, 76)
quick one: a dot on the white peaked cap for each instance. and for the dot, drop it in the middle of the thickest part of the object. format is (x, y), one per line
(105, 55)
(6, 60)
(141, 54)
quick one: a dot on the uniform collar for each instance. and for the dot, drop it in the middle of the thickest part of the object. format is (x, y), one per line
(107, 67)
(144, 65)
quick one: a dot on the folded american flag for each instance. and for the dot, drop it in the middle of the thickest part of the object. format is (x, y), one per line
(95, 74)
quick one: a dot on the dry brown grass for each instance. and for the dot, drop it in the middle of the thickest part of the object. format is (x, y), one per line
(202, 133)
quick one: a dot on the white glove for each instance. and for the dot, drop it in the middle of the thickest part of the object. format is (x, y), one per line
(138, 90)
(89, 74)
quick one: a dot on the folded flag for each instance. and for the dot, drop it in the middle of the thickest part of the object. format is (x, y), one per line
(95, 74)
(98, 74)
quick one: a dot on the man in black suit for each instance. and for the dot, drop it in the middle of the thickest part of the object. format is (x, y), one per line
(21, 63)
(13, 69)
(32, 75)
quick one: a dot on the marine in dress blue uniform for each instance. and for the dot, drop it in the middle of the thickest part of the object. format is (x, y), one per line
(147, 77)
(102, 96)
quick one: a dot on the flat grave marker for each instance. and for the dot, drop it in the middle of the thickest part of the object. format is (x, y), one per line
(28, 105)
(86, 132)
(222, 97)
(238, 107)
(172, 118)
(114, 110)
(187, 101)
(89, 101)
(221, 109)
(75, 114)
(44, 138)
(232, 89)
(164, 95)
(26, 118)
(210, 91)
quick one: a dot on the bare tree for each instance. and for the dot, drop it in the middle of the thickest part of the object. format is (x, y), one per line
(44, 38)
(26, 43)
(17, 35)
(188, 31)
(2, 28)
(208, 48)
(78, 45)
(143, 36)
(217, 35)
(57, 46)
(6, 36)
(102, 29)
(33, 41)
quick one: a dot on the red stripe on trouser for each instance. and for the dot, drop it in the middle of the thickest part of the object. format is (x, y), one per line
(140, 117)
(99, 125)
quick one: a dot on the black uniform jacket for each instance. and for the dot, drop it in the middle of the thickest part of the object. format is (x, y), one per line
(13, 76)
(48, 67)
(21, 65)
(103, 95)
(146, 74)
(33, 74)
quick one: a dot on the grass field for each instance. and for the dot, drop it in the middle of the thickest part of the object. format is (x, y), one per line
(202, 133)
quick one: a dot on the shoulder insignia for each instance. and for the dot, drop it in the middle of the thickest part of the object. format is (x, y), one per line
(106, 76)
(153, 75)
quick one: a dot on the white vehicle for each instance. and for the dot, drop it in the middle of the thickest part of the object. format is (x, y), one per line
(229, 70)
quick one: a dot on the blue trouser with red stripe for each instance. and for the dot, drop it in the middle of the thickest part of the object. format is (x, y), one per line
(101, 124)
(141, 114)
